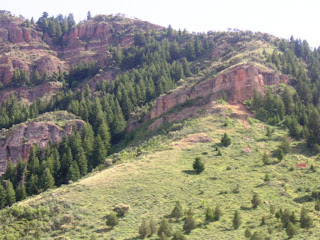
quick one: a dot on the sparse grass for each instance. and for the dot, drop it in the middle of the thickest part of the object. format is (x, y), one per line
(154, 180)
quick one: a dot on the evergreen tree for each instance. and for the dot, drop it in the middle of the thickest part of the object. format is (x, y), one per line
(225, 140)
(198, 165)
(81, 161)
(236, 220)
(32, 185)
(9, 174)
(73, 172)
(3, 197)
(186, 68)
(21, 192)
(119, 124)
(47, 181)
(11, 195)
(99, 153)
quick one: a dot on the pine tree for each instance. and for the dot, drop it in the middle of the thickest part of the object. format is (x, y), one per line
(186, 68)
(198, 165)
(3, 197)
(82, 161)
(236, 220)
(9, 174)
(47, 181)
(225, 140)
(119, 124)
(177, 212)
(32, 185)
(21, 192)
(99, 152)
(11, 195)
(164, 228)
(104, 133)
(33, 162)
(73, 172)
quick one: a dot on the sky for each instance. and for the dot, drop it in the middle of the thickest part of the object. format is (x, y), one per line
(281, 18)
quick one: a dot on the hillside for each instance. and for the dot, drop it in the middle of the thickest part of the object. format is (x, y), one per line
(114, 111)
(151, 180)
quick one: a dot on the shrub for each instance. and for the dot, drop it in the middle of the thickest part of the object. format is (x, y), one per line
(164, 229)
(178, 236)
(291, 229)
(267, 178)
(305, 220)
(112, 220)
(256, 201)
(209, 214)
(236, 220)
(121, 209)
(247, 233)
(144, 229)
(198, 165)
(265, 158)
(217, 213)
(189, 223)
(153, 226)
(177, 212)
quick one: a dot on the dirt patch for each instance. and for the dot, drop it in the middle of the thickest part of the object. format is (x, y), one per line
(301, 165)
(246, 150)
(242, 112)
(191, 140)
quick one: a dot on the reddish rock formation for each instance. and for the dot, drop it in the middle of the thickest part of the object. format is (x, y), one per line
(238, 82)
(19, 142)
(29, 95)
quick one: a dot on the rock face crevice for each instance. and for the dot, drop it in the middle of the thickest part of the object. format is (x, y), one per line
(18, 143)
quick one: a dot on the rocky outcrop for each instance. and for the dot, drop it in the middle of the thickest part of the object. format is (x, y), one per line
(237, 82)
(20, 139)
(29, 95)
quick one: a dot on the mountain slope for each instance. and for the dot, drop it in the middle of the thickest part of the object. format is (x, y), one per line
(151, 183)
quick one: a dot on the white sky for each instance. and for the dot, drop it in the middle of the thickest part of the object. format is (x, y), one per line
(282, 18)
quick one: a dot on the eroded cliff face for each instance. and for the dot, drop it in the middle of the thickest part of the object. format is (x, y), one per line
(237, 82)
(90, 39)
(23, 47)
(20, 139)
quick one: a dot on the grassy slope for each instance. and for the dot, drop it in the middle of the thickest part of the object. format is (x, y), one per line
(152, 182)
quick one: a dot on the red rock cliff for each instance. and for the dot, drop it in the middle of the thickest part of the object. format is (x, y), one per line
(238, 82)
(18, 143)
